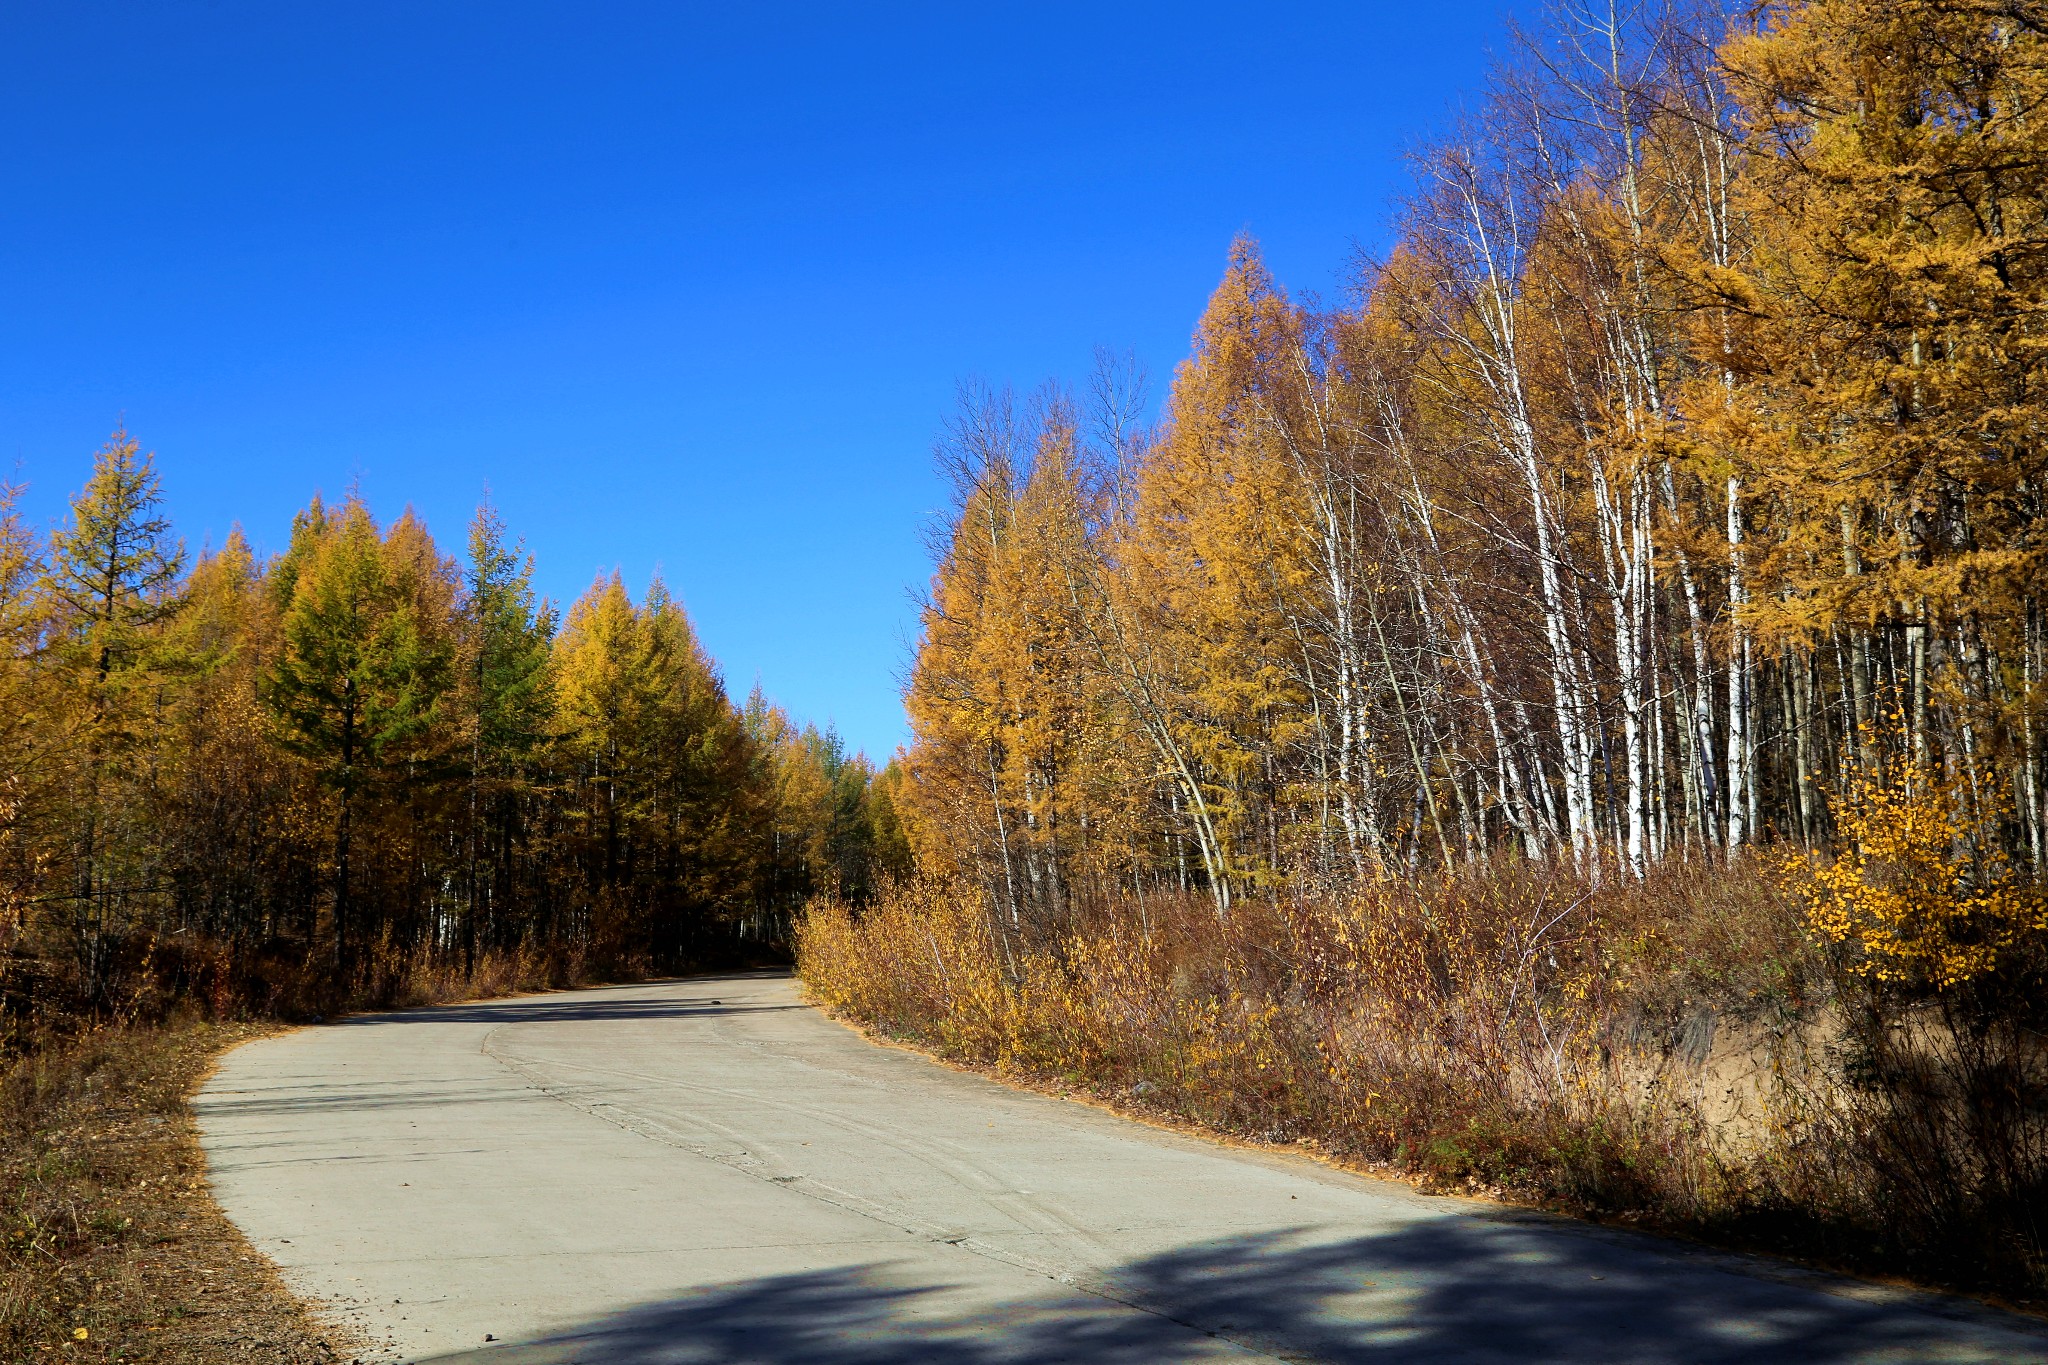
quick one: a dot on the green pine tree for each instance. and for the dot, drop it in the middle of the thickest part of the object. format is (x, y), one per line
(508, 695)
(357, 677)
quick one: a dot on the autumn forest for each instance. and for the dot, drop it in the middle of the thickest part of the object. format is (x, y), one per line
(1564, 718)
(293, 781)
(1678, 459)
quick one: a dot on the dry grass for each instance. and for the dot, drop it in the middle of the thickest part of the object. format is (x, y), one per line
(1664, 1053)
(113, 1249)
(1517, 1030)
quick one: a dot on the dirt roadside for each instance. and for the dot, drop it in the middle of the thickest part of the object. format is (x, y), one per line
(111, 1245)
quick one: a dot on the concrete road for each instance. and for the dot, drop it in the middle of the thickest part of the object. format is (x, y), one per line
(708, 1170)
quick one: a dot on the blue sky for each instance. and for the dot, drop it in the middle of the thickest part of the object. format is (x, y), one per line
(687, 287)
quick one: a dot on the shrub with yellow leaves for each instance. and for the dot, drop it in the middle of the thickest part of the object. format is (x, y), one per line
(1930, 1121)
(1918, 897)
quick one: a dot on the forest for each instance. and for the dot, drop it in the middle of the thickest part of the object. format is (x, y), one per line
(1687, 438)
(289, 784)
(1566, 716)
(1562, 719)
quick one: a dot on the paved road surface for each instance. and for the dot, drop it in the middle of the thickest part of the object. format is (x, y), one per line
(708, 1170)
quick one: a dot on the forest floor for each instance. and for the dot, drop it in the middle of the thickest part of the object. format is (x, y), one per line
(113, 1248)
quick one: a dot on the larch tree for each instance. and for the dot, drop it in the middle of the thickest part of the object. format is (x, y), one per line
(112, 572)
(357, 677)
(506, 697)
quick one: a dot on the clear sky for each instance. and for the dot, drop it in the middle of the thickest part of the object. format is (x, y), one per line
(688, 287)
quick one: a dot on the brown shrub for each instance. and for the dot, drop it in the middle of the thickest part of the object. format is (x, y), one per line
(1667, 1050)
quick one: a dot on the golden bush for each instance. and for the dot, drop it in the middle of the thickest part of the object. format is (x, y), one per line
(1918, 896)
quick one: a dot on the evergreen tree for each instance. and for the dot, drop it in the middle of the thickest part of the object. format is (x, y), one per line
(507, 699)
(358, 676)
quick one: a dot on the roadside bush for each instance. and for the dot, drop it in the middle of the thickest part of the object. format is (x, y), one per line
(1930, 1115)
(1507, 1027)
(1699, 1050)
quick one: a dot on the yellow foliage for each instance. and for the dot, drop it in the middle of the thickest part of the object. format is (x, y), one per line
(1918, 897)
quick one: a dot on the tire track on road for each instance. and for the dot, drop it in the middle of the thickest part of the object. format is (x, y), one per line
(533, 1072)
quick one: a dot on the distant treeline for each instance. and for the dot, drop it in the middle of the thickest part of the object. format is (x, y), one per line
(287, 775)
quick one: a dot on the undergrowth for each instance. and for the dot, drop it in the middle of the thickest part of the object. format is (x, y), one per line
(112, 1249)
(1677, 1052)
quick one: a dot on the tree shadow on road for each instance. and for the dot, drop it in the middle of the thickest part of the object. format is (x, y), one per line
(1448, 1289)
(596, 1004)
